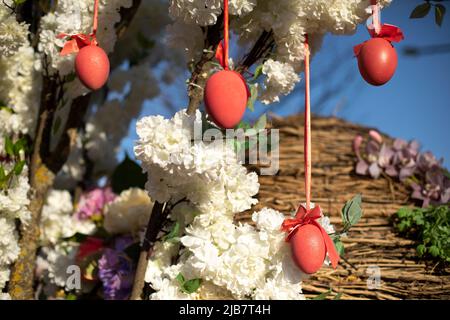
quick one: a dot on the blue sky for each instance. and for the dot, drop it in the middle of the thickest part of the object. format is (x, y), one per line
(415, 104)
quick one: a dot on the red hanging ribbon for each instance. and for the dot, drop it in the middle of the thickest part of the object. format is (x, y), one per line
(222, 48)
(304, 217)
(386, 31)
(78, 41)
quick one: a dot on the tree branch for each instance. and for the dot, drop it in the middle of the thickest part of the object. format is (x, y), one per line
(45, 165)
(213, 35)
(260, 49)
(155, 223)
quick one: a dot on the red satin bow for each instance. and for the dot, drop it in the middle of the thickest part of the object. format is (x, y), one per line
(304, 217)
(76, 42)
(388, 32)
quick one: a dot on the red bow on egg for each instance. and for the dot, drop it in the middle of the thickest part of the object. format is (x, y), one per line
(387, 32)
(309, 240)
(76, 42)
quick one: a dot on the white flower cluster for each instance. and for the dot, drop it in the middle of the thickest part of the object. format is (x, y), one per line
(12, 33)
(52, 263)
(289, 21)
(19, 91)
(73, 17)
(208, 175)
(233, 261)
(128, 213)
(58, 221)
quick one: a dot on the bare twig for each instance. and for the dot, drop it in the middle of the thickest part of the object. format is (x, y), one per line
(155, 223)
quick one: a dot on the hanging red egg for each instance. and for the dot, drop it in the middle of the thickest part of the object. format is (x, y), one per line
(92, 66)
(226, 96)
(377, 61)
(308, 248)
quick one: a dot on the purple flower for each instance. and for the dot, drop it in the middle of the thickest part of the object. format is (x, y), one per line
(115, 271)
(92, 202)
(435, 189)
(426, 161)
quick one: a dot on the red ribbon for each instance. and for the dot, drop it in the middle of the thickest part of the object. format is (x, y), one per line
(385, 31)
(304, 217)
(78, 41)
(222, 48)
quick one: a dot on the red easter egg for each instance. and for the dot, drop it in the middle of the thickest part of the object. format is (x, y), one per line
(308, 248)
(226, 96)
(92, 67)
(377, 61)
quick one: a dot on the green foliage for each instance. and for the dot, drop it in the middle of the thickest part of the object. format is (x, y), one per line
(439, 12)
(5, 108)
(173, 235)
(128, 174)
(253, 95)
(250, 131)
(430, 227)
(423, 9)
(188, 286)
(13, 153)
(351, 212)
(420, 11)
(325, 294)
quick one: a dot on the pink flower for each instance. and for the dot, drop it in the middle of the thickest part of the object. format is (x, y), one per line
(92, 202)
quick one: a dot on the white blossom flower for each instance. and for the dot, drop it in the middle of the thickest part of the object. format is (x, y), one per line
(58, 221)
(128, 213)
(280, 79)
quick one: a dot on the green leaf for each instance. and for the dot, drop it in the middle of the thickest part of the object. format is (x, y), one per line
(323, 295)
(9, 146)
(351, 212)
(420, 11)
(258, 72)
(253, 95)
(180, 279)
(188, 286)
(339, 246)
(439, 12)
(7, 109)
(70, 77)
(128, 174)
(18, 167)
(173, 235)
(191, 286)
(434, 251)
(421, 249)
(2, 173)
(338, 296)
(17, 2)
(71, 296)
(261, 123)
(77, 237)
(20, 145)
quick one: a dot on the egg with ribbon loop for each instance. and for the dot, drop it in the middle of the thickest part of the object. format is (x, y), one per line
(377, 58)
(309, 241)
(92, 66)
(308, 248)
(377, 61)
(225, 97)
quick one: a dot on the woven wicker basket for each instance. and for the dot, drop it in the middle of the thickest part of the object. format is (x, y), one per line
(372, 242)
